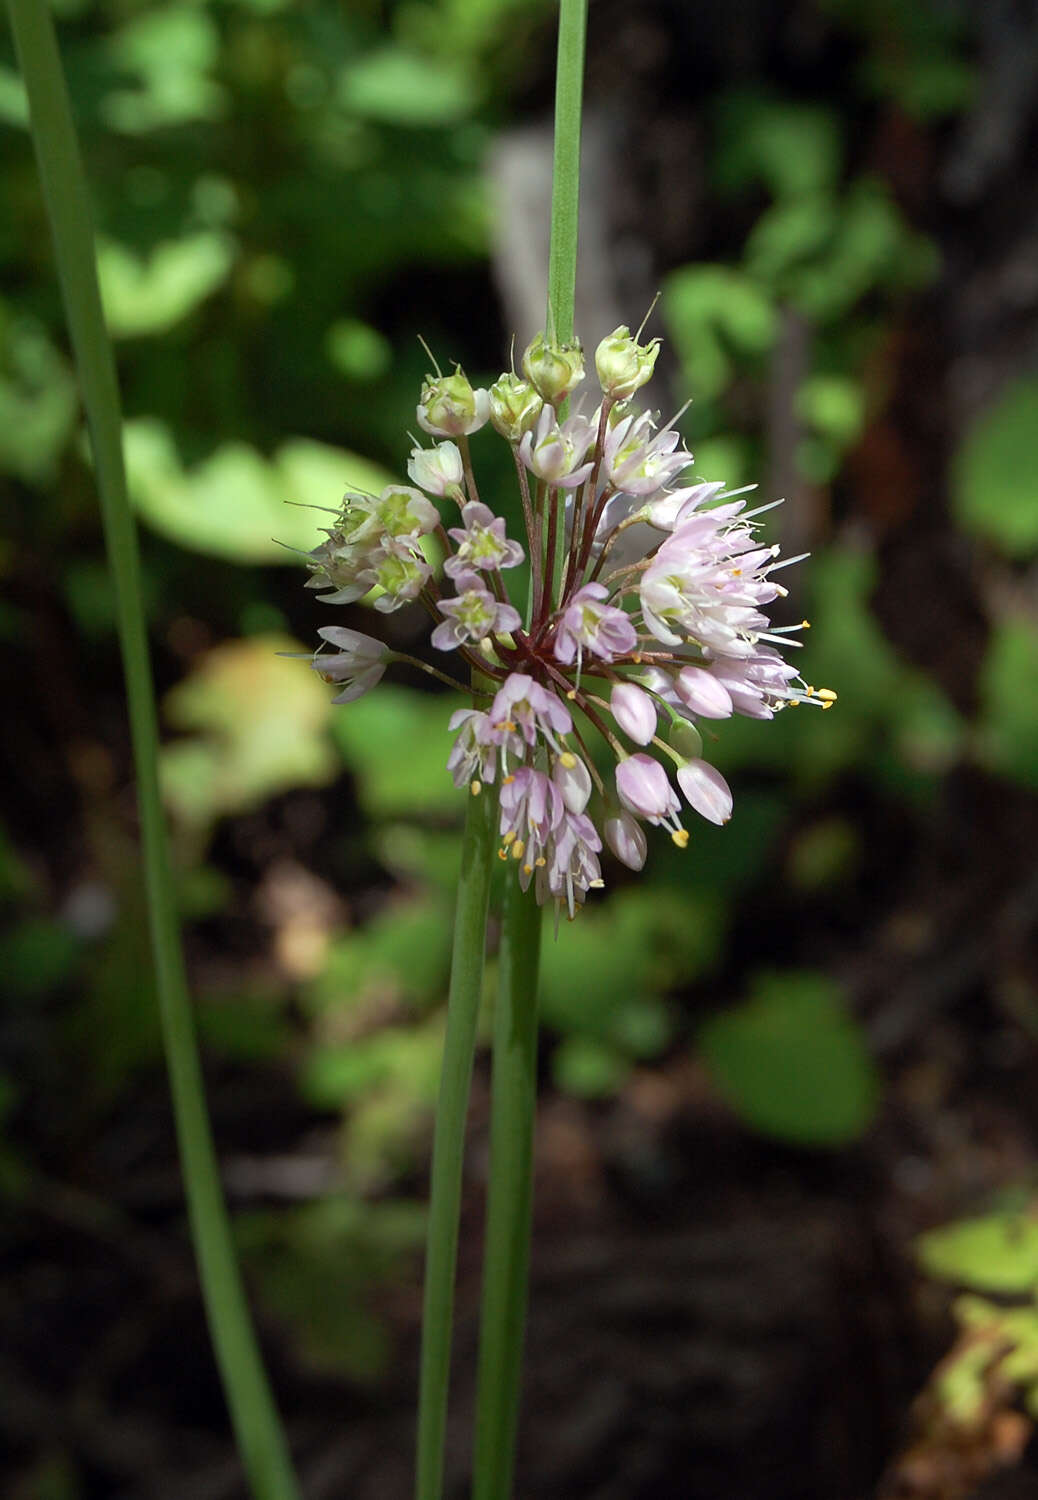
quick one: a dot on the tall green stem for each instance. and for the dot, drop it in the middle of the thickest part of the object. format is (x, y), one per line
(514, 1081)
(260, 1438)
(466, 985)
(565, 186)
(565, 201)
(510, 1196)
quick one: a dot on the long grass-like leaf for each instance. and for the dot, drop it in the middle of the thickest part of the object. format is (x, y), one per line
(257, 1428)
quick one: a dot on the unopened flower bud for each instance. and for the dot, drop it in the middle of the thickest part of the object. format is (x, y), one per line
(626, 837)
(555, 369)
(449, 407)
(706, 790)
(703, 694)
(644, 789)
(624, 365)
(437, 470)
(686, 739)
(634, 711)
(514, 407)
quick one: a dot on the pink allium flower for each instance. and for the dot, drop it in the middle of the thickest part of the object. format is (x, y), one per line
(589, 625)
(556, 453)
(360, 661)
(647, 610)
(475, 613)
(474, 753)
(481, 542)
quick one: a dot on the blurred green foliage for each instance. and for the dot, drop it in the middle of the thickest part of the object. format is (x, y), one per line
(823, 250)
(286, 196)
(997, 1254)
(994, 484)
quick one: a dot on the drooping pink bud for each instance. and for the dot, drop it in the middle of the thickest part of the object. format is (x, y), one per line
(644, 788)
(706, 790)
(626, 837)
(703, 694)
(634, 711)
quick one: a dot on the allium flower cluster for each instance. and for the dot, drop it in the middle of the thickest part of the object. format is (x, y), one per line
(645, 610)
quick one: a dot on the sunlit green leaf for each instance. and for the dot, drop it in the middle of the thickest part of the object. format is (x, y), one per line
(237, 504)
(259, 726)
(792, 1062)
(142, 297)
(405, 88)
(38, 400)
(356, 349)
(171, 50)
(997, 1253)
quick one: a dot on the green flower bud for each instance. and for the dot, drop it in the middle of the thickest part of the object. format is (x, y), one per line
(686, 739)
(514, 407)
(449, 407)
(555, 369)
(623, 364)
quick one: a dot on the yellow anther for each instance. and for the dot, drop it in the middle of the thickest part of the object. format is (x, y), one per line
(810, 690)
(571, 694)
(827, 695)
(476, 788)
(736, 572)
(507, 780)
(828, 702)
(527, 869)
(805, 624)
(502, 854)
(568, 759)
(517, 849)
(508, 838)
(596, 885)
(541, 862)
(680, 837)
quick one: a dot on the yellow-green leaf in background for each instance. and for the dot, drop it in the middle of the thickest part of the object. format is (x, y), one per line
(236, 504)
(150, 296)
(997, 1253)
(258, 725)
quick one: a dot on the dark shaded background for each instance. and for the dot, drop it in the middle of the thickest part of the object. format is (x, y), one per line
(768, 1067)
